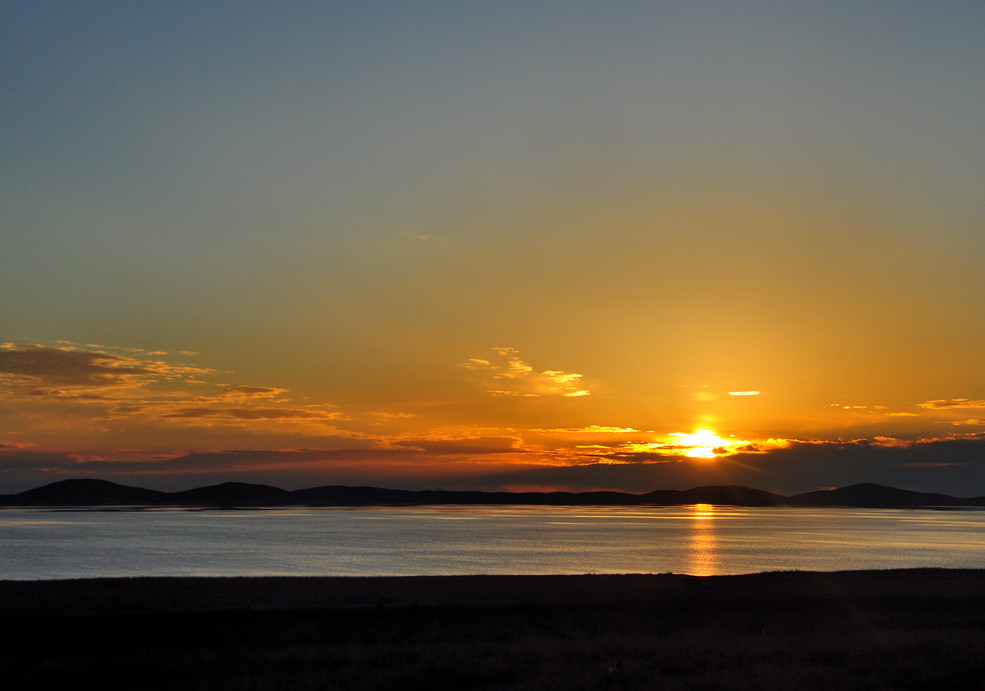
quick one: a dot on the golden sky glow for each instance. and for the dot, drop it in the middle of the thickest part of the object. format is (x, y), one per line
(547, 245)
(705, 444)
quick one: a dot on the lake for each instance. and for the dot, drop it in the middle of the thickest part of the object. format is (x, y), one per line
(453, 540)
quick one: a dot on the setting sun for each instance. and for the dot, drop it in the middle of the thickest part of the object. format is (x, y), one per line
(704, 444)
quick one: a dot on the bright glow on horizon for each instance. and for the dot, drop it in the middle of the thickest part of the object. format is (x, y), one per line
(702, 444)
(705, 444)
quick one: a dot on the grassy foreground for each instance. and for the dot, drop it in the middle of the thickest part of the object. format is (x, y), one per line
(911, 629)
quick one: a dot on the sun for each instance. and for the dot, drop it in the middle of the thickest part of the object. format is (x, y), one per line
(703, 443)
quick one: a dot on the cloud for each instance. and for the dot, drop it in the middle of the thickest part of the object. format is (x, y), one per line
(410, 463)
(951, 403)
(257, 413)
(53, 383)
(90, 398)
(508, 375)
(469, 446)
(953, 465)
(685, 445)
(565, 383)
(515, 367)
(743, 393)
(63, 369)
(870, 409)
(253, 391)
(590, 429)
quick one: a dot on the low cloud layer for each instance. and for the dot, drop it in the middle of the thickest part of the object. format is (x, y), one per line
(163, 420)
(953, 466)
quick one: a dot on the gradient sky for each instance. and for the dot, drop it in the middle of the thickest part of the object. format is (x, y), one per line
(493, 244)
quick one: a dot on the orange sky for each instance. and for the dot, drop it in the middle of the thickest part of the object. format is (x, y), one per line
(563, 245)
(165, 420)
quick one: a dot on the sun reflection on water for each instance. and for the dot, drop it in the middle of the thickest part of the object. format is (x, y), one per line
(702, 557)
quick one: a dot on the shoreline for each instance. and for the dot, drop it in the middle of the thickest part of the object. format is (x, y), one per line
(202, 594)
(879, 630)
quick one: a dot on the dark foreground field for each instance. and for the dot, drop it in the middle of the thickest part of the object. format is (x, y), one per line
(913, 629)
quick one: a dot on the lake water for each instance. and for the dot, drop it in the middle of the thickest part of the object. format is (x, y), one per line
(698, 540)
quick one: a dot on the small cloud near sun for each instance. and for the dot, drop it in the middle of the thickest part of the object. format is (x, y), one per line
(743, 393)
(703, 444)
(512, 376)
(591, 429)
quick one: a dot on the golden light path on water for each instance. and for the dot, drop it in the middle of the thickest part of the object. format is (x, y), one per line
(701, 549)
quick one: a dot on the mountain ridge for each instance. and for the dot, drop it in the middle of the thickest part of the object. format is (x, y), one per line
(97, 492)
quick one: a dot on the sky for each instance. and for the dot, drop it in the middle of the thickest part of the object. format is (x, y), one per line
(493, 245)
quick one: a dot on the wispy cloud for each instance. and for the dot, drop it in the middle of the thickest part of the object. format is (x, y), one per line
(65, 370)
(254, 391)
(472, 447)
(872, 409)
(145, 386)
(591, 429)
(255, 413)
(509, 375)
(952, 403)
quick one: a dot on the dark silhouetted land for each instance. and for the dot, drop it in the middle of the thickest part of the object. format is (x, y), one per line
(909, 629)
(93, 492)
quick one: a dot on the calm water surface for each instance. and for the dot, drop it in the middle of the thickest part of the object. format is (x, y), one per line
(699, 540)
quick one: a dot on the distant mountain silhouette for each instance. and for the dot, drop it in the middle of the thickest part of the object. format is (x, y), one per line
(92, 492)
(339, 495)
(870, 495)
(84, 493)
(232, 494)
